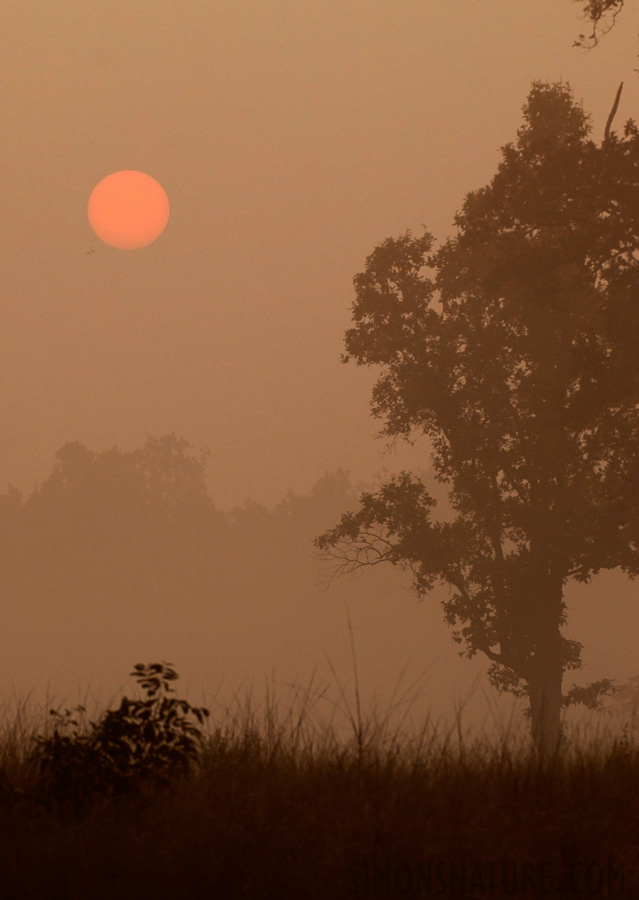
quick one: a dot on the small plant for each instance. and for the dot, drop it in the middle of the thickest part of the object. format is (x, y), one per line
(149, 741)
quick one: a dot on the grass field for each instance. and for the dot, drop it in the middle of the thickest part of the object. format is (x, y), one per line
(282, 807)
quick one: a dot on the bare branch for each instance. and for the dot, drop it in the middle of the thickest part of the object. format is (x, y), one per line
(612, 112)
(595, 10)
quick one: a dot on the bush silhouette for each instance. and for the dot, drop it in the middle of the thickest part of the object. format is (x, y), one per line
(144, 742)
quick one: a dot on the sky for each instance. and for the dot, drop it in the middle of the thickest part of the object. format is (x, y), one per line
(291, 138)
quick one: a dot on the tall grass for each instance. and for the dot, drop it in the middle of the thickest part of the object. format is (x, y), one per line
(282, 805)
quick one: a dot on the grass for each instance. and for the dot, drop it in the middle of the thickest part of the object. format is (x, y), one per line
(282, 806)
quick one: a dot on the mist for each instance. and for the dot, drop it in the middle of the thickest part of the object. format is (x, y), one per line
(178, 427)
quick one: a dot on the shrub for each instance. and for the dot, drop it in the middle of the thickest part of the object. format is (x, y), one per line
(150, 741)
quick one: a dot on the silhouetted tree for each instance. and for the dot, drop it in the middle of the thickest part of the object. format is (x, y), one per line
(526, 378)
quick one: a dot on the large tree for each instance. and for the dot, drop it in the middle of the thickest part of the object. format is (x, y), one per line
(513, 347)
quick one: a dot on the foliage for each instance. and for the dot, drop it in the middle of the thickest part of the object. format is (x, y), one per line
(598, 11)
(150, 741)
(518, 361)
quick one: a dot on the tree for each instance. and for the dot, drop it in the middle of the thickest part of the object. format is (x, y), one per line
(116, 525)
(526, 380)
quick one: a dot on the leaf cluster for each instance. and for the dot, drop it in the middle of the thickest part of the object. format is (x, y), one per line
(150, 741)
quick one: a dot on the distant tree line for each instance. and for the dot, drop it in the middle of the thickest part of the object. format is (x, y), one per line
(117, 530)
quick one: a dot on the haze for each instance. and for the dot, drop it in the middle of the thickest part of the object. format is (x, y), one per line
(291, 138)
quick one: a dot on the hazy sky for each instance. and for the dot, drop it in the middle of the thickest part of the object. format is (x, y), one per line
(291, 137)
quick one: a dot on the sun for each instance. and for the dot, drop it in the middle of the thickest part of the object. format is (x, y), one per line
(128, 209)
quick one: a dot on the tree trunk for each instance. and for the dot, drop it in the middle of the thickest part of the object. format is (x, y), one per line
(544, 687)
(545, 665)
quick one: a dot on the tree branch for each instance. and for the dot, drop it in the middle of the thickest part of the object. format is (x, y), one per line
(612, 112)
(594, 10)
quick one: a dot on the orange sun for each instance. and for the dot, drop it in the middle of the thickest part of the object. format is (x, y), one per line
(128, 209)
